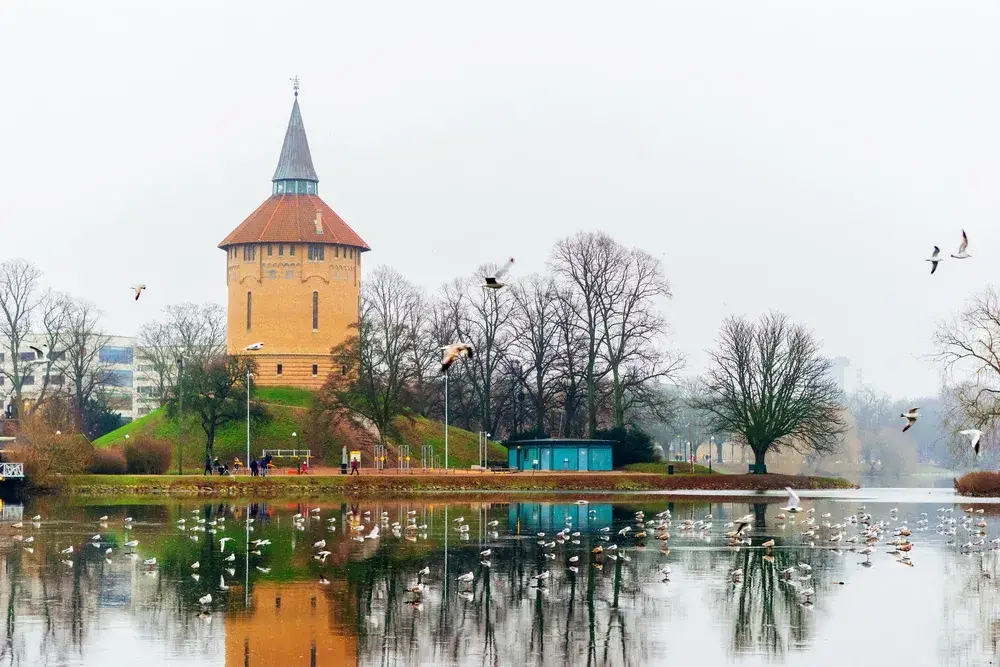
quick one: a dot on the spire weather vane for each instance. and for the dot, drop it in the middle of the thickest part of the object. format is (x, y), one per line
(295, 84)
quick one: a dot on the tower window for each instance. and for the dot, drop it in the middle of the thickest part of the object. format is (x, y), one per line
(352, 253)
(249, 252)
(249, 308)
(279, 369)
(291, 250)
(315, 370)
(315, 311)
(281, 249)
(336, 251)
(268, 249)
(316, 251)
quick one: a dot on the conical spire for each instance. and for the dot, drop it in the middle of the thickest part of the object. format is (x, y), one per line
(295, 172)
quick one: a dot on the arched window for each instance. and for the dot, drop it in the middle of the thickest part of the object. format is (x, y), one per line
(249, 309)
(315, 311)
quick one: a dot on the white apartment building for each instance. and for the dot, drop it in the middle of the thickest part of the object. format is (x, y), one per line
(130, 383)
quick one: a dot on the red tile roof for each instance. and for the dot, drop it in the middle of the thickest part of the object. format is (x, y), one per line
(290, 218)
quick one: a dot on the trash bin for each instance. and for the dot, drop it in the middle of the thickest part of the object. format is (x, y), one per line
(670, 468)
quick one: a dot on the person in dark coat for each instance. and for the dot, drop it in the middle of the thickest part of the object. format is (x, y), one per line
(208, 465)
(253, 467)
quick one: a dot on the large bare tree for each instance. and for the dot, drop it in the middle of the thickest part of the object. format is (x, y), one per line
(585, 263)
(196, 332)
(536, 339)
(769, 384)
(376, 359)
(20, 295)
(968, 345)
(82, 340)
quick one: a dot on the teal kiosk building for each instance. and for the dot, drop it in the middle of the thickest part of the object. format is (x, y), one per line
(560, 454)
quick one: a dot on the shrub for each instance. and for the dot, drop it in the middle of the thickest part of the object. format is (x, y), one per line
(979, 484)
(146, 455)
(110, 461)
(632, 445)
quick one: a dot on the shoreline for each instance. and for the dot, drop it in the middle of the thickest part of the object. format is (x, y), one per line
(431, 485)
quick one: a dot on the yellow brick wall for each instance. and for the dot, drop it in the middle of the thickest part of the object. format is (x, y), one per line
(282, 289)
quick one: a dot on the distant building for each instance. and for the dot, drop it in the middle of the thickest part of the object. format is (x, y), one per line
(293, 270)
(129, 384)
(839, 371)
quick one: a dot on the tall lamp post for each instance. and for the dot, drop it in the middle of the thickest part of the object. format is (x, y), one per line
(446, 372)
(180, 400)
(250, 348)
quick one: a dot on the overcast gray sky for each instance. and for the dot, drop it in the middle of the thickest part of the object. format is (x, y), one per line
(801, 158)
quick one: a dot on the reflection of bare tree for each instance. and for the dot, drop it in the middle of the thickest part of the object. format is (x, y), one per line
(970, 604)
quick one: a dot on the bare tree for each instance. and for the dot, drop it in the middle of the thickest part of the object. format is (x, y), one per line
(586, 263)
(969, 345)
(570, 366)
(632, 326)
(487, 327)
(82, 341)
(535, 336)
(871, 410)
(769, 384)
(195, 331)
(423, 350)
(378, 374)
(19, 299)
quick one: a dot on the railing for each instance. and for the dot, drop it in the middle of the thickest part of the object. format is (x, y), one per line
(13, 470)
(289, 453)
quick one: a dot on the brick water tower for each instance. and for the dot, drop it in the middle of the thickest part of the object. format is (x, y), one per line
(293, 269)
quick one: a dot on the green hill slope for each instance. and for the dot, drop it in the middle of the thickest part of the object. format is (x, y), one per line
(288, 408)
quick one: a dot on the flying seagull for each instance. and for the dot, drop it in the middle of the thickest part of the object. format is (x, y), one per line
(254, 347)
(451, 353)
(493, 282)
(41, 356)
(962, 254)
(934, 259)
(793, 502)
(138, 290)
(974, 436)
(911, 418)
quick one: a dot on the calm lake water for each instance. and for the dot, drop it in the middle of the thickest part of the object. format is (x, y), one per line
(810, 601)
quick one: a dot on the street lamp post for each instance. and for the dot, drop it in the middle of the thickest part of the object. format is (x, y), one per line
(250, 348)
(180, 400)
(711, 450)
(446, 420)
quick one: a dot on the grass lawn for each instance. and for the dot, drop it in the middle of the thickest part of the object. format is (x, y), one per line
(462, 445)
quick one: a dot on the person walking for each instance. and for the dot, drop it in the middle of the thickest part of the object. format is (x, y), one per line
(354, 467)
(267, 464)
(208, 465)
(253, 467)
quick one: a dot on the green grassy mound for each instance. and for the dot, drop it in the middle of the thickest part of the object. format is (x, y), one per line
(288, 408)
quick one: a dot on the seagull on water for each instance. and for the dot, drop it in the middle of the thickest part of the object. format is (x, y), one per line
(974, 436)
(962, 254)
(493, 282)
(911, 417)
(934, 259)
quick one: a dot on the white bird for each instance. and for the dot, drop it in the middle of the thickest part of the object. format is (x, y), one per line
(372, 535)
(150, 562)
(222, 583)
(793, 502)
(911, 417)
(230, 558)
(138, 290)
(195, 565)
(486, 553)
(131, 544)
(205, 599)
(254, 347)
(451, 353)
(67, 550)
(974, 436)
(493, 282)
(42, 357)
(934, 259)
(265, 570)
(319, 545)
(962, 254)
(222, 544)
(467, 577)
